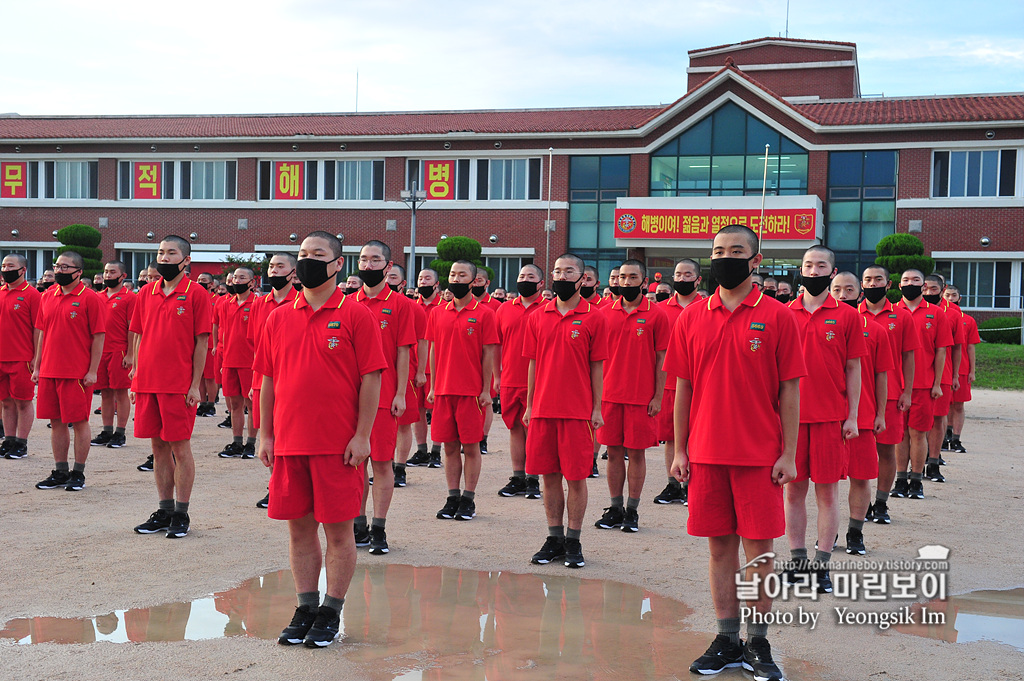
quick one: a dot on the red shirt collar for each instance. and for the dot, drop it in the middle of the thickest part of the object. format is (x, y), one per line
(336, 300)
(76, 292)
(753, 299)
(384, 294)
(474, 304)
(642, 307)
(886, 306)
(924, 304)
(24, 285)
(830, 302)
(183, 286)
(583, 306)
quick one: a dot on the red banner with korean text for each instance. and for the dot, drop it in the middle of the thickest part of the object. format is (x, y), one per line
(440, 179)
(646, 223)
(289, 180)
(14, 181)
(148, 182)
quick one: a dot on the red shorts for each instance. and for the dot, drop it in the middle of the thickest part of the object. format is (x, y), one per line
(254, 413)
(739, 500)
(421, 395)
(165, 416)
(940, 407)
(63, 399)
(666, 424)
(894, 426)
(236, 381)
(457, 418)
(563, 446)
(513, 405)
(383, 436)
(863, 456)
(210, 368)
(963, 393)
(627, 425)
(218, 364)
(16, 382)
(111, 374)
(920, 417)
(821, 453)
(322, 485)
(411, 414)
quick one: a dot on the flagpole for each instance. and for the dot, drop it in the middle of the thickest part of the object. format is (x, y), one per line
(764, 190)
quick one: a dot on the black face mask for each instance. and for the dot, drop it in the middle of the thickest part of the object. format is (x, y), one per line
(660, 297)
(684, 288)
(586, 291)
(769, 292)
(851, 303)
(111, 283)
(426, 291)
(11, 276)
(911, 291)
(169, 270)
(782, 297)
(526, 288)
(630, 293)
(239, 289)
(278, 283)
(349, 290)
(397, 288)
(371, 277)
(65, 278)
(957, 303)
(45, 285)
(204, 285)
(933, 299)
(616, 291)
(459, 290)
(312, 272)
(566, 289)
(874, 293)
(731, 272)
(479, 290)
(816, 285)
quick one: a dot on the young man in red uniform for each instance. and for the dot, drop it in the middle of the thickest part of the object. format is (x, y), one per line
(318, 357)
(280, 276)
(903, 341)
(417, 376)
(397, 334)
(874, 383)
(934, 285)
(237, 355)
(463, 340)
(736, 472)
(171, 323)
(208, 386)
(833, 344)
(480, 285)
(19, 312)
(968, 366)
(591, 289)
(633, 388)
(429, 299)
(685, 280)
(512, 319)
(929, 361)
(217, 338)
(112, 379)
(72, 321)
(613, 283)
(565, 341)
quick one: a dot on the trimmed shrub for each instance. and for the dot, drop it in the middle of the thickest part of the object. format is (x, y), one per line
(456, 248)
(80, 235)
(1010, 336)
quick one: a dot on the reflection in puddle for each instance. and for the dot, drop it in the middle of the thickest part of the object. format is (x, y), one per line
(976, 616)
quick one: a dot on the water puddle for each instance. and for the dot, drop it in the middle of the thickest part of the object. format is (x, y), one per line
(976, 616)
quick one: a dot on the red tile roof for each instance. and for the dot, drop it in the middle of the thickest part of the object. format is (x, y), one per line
(910, 110)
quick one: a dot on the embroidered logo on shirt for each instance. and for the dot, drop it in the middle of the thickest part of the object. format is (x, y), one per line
(383, 324)
(755, 343)
(892, 326)
(576, 334)
(757, 326)
(639, 332)
(333, 342)
(830, 321)
(927, 325)
(113, 305)
(386, 310)
(17, 306)
(333, 325)
(830, 335)
(73, 314)
(180, 311)
(469, 331)
(183, 297)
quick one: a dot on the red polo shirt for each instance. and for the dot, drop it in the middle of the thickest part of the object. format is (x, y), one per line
(598, 302)
(932, 326)
(458, 338)
(956, 327)
(902, 335)
(68, 323)
(120, 307)
(397, 328)
(971, 337)
(236, 349)
(261, 309)
(168, 326)
(634, 338)
(511, 328)
(831, 336)
(673, 309)
(563, 346)
(877, 360)
(490, 302)
(316, 361)
(735, 362)
(19, 314)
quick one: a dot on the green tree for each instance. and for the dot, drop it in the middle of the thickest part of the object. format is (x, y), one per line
(83, 239)
(900, 252)
(233, 262)
(457, 248)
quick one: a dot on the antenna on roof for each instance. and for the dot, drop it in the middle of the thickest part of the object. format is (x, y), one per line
(357, 90)
(787, 18)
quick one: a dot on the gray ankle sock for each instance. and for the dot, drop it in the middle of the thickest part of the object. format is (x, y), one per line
(730, 626)
(822, 557)
(108, 429)
(533, 477)
(250, 441)
(237, 439)
(421, 448)
(617, 502)
(902, 475)
(673, 482)
(79, 467)
(455, 492)
(916, 476)
(166, 505)
(181, 506)
(931, 461)
(21, 440)
(360, 521)
(62, 466)
(519, 475)
(572, 534)
(856, 524)
(760, 629)
(378, 522)
(310, 599)
(556, 531)
(632, 503)
(469, 495)
(881, 496)
(798, 554)
(435, 448)
(333, 603)
(119, 430)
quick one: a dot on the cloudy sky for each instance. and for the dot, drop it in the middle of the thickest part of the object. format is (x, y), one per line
(219, 56)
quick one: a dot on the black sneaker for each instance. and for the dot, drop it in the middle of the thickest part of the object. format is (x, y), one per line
(117, 441)
(362, 534)
(901, 488)
(721, 654)
(249, 451)
(532, 488)
(17, 451)
(797, 573)
(6, 446)
(516, 487)
(573, 554)
(957, 446)
(76, 481)
(604, 455)
(378, 541)
(400, 480)
(880, 515)
(179, 525)
(612, 518)
(264, 502)
(553, 549)
(209, 411)
(295, 632)
(869, 515)
(325, 628)
(226, 423)
(146, 467)
(916, 490)
(932, 472)
(855, 542)
(418, 459)
(102, 439)
(98, 410)
(630, 521)
(467, 509)
(594, 473)
(942, 462)
(233, 450)
(159, 521)
(451, 507)
(946, 443)
(435, 460)
(823, 580)
(483, 446)
(672, 494)
(757, 658)
(56, 479)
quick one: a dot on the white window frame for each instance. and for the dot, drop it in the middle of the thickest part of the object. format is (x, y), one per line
(1018, 167)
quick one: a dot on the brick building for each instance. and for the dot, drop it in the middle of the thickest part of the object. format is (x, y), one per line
(652, 181)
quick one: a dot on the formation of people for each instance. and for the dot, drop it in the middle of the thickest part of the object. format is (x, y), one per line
(646, 363)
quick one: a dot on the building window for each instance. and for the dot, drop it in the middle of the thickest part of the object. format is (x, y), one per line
(354, 180)
(484, 179)
(861, 205)
(595, 182)
(957, 174)
(208, 180)
(55, 180)
(723, 155)
(506, 270)
(145, 180)
(136, 261)
(984, 284)
(38, 260)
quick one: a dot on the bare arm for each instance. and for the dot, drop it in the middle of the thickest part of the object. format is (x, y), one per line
(972, 359)
(681, 425)
(655, 406)
(908, 380)
(37, 339)
(852, 398)
(957, 355)
(881, 394)
(267, 422)
(784, 469)
(358, 448)
(198, 362)
(402, 371)
(531, 377)
(488, 372)
(422, 348)
(940, 364)
(597, 386)
(94, 359)
(213, 339)
(129, 357)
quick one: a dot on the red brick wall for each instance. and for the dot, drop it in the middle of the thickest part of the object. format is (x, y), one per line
(830, 83)
(770, 54)
(960, 229)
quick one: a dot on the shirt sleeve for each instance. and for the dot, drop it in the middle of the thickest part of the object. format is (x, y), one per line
(911, 338)
(956, 327)
(677, 355)
(406, 331)
(855, 343)
(972, 336)
(790, 353)
(370, 354)
(944, 337)
(883, 351)
(255, 310)
(97, 314)
(599, 342)
(37, 305)
(662, 330)
(135, 325)
(430, 332)
(530, 336)
(488, 327)
(202, 315)
(263, 362)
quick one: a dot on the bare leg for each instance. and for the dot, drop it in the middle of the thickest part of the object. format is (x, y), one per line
(577, 499)
(124, 408)
(236, 408)
(452, 464)
(796, 514)
(383, 488)
(10, 417)
(163, 468)
(305, 554)
(722, 567)
(60, 440)
(859, 498)
(252, 426)
(341, 557)
(918, 449)
(827, 498)
(754, 548)
(26, 416)
(107, 403)
(886, 466)
(184, 469)
(517, 446)
(616, 470)
(554, 499)
(83, 435)
(957, 416)
(637, 472)
(472, 465)
(403, 445)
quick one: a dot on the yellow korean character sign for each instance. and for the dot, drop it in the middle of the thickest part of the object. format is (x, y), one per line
(148, 180)
(14, 181)
(440, 179)
(289, 180)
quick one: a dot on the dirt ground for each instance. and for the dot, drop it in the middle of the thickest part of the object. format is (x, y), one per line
(74, 555)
